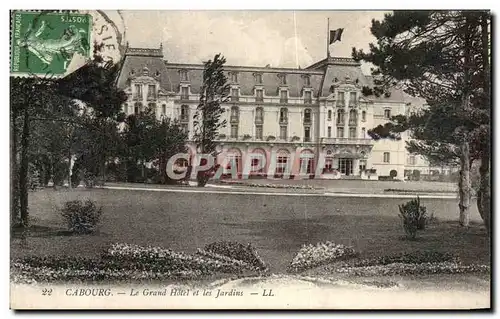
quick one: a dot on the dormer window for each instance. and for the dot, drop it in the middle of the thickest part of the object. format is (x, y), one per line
(352, 99)
(258, 78)
(184, 75)
(234, 77)
(307, 80)
(138, 91)
(340, 99)
(184, 93)
(152, 91)
(184, 113)
(282, 78)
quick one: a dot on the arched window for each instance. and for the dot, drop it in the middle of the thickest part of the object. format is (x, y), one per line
(282, 158)
(184, 113)
(234, 158)
(340, 117)
(307, 116)
(363, 116)
(306, 162)
(329, 115)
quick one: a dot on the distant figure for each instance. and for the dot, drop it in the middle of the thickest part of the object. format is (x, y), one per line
(268, 66)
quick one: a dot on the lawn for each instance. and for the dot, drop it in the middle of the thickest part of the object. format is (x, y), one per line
(276, 225)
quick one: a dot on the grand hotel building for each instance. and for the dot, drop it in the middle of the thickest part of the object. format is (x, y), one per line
(294, 113)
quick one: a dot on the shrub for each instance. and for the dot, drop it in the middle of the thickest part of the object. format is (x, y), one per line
(81, 217)
(413, 216)
(416, 175)
(393, 173)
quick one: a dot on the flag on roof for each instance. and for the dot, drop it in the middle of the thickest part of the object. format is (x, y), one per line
(336, 35)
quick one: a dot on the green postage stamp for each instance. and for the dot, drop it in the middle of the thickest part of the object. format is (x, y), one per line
(45, 44)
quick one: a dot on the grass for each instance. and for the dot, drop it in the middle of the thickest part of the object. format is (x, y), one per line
(276, 225)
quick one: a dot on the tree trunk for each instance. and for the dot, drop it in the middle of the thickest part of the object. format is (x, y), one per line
(14, 173)
(484, 193)
(464, 184)
(23, 173)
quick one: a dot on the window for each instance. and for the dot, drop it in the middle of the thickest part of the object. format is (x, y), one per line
(184, 75)
(329, 131)
(138, 91)
(352, 98)
(340, 117)
(184, 113)
(340, 132)
(363, 132)
(151, 91)
(234, 130)
(258, 132)
(259, 95)
(283, 132)
(283, 96)
(185, 127)
(152, 106)
(352, 132)
(259, 115)
(387, 157)
(282, 79)
(234, 77)
(307, 116)
(137, 108)
(163, 109)
(307, 134)
(363, 116)
(340, 99)
(307, 97)
(353, 117)
(411, 160)
(184, 93)
(283, 115)
(307, 80)
(387, 114)
(258, 78)
(281, 163)
(362, 165)
(329, 115)
(235, 114)
(234, 94)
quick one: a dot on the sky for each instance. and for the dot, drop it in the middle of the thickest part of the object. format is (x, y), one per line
(249, 38)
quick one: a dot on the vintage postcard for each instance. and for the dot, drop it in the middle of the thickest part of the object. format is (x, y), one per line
(250, 159)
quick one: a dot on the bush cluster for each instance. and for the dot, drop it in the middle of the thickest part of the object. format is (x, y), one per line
(413, 216)
(81, 217)
(310, 256)
(280, 186)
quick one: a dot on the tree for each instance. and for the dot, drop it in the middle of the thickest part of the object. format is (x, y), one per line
(436, 55)
(42, 99)
(207, 120)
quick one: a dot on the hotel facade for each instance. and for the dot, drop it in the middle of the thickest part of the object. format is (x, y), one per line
(293, 114)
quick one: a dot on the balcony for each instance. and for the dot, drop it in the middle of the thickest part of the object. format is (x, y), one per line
(184, 118)
(235, 98)
(283, 100)
(347, 141)
(234, 119)
(259, 99)
(184, 97)
(353, 122)
(137, 97)
(259, 120)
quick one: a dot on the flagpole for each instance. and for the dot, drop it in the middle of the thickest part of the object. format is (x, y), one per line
(328, 39)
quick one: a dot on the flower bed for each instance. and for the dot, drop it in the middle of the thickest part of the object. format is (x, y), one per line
(310, 256)
(411, 269)
(281, 186)
(416, 257)
(230, 251)
(129, 262)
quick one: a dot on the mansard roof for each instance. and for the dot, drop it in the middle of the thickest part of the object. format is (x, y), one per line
(322, 75)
